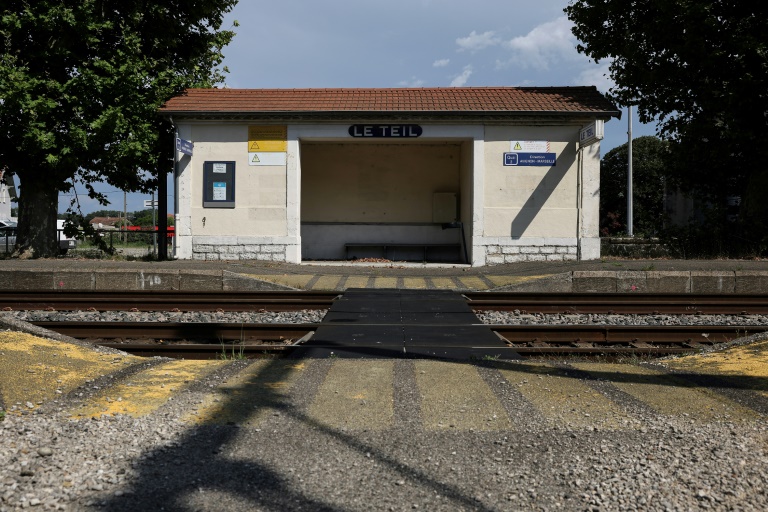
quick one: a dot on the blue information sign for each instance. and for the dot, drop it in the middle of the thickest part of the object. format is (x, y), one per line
(530, 159)
(184, 146)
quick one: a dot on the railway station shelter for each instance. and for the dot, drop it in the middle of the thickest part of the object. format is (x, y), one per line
(477, 175)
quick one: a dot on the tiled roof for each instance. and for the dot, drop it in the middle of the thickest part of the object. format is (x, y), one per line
(479, 100)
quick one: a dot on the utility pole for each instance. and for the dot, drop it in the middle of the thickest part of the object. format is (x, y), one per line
(630, 228)
(125, 217)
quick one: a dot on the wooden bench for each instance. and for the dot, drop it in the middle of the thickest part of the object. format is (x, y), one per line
(389, 249)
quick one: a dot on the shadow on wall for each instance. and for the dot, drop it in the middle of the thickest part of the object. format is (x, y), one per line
(538, 197)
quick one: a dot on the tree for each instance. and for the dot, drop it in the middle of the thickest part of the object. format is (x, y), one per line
(699, 69)
(81, 83)
(650, 156)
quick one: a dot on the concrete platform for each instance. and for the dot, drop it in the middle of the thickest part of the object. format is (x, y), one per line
(609, 275)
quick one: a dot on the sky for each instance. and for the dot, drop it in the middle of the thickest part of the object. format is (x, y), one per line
(402, 43)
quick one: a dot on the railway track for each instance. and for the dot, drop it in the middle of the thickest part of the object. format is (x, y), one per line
(206, 340)
(614, 303)
(210, 340)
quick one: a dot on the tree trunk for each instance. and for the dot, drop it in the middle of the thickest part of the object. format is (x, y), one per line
(38, 205)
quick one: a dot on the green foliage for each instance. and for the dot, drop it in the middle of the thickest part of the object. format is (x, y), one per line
(700, 71)
(81, 83)
(650, 156)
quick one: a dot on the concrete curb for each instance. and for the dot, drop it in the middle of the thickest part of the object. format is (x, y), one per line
(749, 282)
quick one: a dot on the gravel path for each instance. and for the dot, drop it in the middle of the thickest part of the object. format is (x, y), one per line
(49, 461)
(120, 463)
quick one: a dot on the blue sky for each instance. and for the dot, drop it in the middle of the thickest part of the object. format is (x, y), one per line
(404, 43)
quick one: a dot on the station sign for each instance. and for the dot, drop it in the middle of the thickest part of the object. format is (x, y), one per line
(149, 203)
(184, 146)
(397, 131)
(591, 133)
(530, 159)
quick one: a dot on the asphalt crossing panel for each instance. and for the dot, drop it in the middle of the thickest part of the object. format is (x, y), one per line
(389, 323)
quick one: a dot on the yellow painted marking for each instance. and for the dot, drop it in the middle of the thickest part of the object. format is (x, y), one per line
(299, 281)
(385, 282)
(454, 396)
(443, 283)
(508, 280)
(667, 394)
(356, 395)
(748, 362)
(414, 283)
(327, 283)
(356, 282)
(563, 400)
(38, 370)
(146, 391)
(250, 396)
(473, 283)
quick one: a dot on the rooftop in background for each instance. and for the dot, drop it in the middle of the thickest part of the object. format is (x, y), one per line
(577, 101)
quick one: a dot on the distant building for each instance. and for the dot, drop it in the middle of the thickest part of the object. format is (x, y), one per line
(106, 222)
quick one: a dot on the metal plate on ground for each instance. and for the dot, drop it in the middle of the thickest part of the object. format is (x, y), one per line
(402, 323)
(439, 318)
(454, 335)
(434, 306)
(361, 317)
(358, 335)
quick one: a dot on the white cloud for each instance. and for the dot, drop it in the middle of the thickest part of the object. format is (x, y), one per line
(599, 76)
(545, 45)
(461, 80)
(474, 41)
(441, 63)
(413, 82)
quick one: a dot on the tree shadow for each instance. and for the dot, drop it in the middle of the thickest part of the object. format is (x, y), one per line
(537, 199)
(175, 478)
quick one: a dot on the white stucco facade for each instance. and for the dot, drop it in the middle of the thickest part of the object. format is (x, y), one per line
(331, 189)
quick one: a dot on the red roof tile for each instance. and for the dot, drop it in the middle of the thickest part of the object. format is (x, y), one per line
(480, 100)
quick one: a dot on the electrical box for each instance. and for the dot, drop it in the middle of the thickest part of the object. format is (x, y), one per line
(443, 207)
(219, 185)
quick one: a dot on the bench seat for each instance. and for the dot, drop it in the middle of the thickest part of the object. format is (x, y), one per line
(389, 249)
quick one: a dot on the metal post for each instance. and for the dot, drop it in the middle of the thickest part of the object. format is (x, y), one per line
(630, 228)
(124, 228)
(154, 226)
(162, 205)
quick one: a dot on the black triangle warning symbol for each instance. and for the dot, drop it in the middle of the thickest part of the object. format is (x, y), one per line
(254, 146)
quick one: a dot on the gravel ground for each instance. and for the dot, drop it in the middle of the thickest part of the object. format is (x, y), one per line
(49, 461)
(292, 463)
(316, 316)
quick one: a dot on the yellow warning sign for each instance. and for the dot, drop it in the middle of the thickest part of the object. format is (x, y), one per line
(255, 158)
(267, 138)
(517, 147)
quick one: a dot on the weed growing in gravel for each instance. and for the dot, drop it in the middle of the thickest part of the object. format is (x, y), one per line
(234, 355)
(2, 415)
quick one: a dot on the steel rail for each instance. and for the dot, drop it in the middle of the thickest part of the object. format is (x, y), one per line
(166, 301)
(172, 331)
(523, 339)
(560, 303)
(619, 303)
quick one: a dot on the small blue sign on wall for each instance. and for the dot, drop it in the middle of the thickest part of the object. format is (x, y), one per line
(531, 159)
(185, 146)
